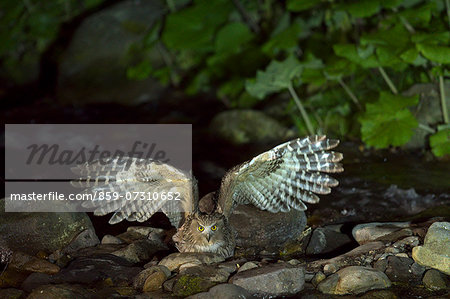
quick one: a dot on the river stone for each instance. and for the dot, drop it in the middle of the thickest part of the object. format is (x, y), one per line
(34, 232)
(417, 269)
(151, 279)
(232, 265)
(434, 280)
(186, 285)
(349, 258)
(248, 126)
(60, 291)
(262, 229)
(108, 239)
(175, 260)
(435, 252)
(326, 239)
(26, 263)
(273, 279)
(85, 239)
(318, 278)
(87, 271)
(93, 68)
(209, 272)
(140, 251)
(11, 293)
(145, 230)
(367, 232)
(354, 280)
(398, 269)
(247, 266)
(223, 291)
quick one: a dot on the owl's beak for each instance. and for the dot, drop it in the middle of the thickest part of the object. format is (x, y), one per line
(208, 236)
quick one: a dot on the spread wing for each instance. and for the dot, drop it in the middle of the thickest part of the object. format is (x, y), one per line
(284, 177)
(135, 189)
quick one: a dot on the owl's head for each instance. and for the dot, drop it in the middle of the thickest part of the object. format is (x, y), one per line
(208, 229)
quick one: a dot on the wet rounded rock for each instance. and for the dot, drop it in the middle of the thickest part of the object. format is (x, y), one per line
(273, 279)
(367, 232)
(247, 266)
(354, 280)
(175, 260)
(398, 269)
(326, 239)
(435, 252)
(26, 263)
(262, 229)
(47, 232)
(11, 293)
(108, 239)
(140, 251)
(224, 291)
(151, 279)
(60, 291)
(435, 281)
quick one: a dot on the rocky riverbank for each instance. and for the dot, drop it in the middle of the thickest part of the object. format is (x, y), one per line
(390, 260)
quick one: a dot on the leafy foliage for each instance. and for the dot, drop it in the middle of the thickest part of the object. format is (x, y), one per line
(338, 54)
(440, 143)
(28, 27)
(388, 121)
(276, 77)
(347, 59)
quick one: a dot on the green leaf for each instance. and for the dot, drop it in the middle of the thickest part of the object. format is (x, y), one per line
(390, 3)
(413, 57)
(435, 53)
(300, 5)
(141, 71)
(231, 88)
(350, 52)
(362, 8)
(440, 143)
(386, 37)
(285, 40)
(231, 37)
(193, 28)
(276, 77)
(419, 16)
(388, 121)
(388, 57)
(431, 38)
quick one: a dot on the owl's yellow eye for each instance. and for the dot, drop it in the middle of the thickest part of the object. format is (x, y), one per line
(213, 227)
(201, 228)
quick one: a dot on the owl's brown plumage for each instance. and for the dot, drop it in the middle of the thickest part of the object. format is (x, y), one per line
(278, 180)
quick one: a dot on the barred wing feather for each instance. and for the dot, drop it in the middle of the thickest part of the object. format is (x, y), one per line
(285, 177)
(135, 187)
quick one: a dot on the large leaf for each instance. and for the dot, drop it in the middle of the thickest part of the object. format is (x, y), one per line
(419, 16)
(299, 5)
(231, 37)
(285, 40)
(434, 38)
(362, 8)
(390, 3)
(435, 53)
(350, 52)
(276, 77)
(440, 143)
(388, 121)
(193, 28)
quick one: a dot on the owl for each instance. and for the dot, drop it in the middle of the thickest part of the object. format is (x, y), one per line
(283, 178)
